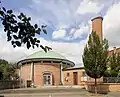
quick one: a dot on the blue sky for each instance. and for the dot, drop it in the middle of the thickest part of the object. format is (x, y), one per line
(68, 23)
(57, 15)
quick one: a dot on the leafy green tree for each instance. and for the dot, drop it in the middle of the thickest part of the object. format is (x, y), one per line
(2, 61)
(7, 70)
(20, 30)
(95, 57)
(114, 65)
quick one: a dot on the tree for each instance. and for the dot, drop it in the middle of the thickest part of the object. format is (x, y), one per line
(95, 57)
(114, 65)
(7, 70)
(20, 30)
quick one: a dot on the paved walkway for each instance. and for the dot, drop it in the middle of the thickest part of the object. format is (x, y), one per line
(113, 94)
(51, 95)
(53, 92)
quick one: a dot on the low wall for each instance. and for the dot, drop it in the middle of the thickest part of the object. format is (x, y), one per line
(103, 87)
(9, 84)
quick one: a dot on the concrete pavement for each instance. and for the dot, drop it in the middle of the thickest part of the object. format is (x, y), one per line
(52, 92)
(44, 92)
(46, 95)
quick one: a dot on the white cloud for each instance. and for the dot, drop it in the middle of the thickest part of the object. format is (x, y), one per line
(80, 32)
(59, 34)
(74, 33)
(72, 51)
(111, 24)
(62, 15)
(89, 6)
(9, 53)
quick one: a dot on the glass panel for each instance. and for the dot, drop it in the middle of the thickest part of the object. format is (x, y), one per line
(68, 74)
(44, 78)
(47, 78)
(46, 74)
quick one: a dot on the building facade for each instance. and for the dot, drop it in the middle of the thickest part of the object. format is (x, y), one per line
(77, 76)
(43, 69)
(53, 69)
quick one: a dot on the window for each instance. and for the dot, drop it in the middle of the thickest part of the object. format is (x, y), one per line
(68, 74)
(37, 61)
(56, 61)
(63, 63)
(67, 77)
(47, 78)
(46, 61)
(84, 74)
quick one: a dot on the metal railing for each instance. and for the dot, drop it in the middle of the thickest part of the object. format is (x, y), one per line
(102, 80)
(9, 84)
(111, 79)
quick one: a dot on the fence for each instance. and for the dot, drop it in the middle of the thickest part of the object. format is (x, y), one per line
(111, 79)
(9, 84)
(104, 80)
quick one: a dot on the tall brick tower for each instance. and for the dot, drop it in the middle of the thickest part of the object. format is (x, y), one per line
(97, 26)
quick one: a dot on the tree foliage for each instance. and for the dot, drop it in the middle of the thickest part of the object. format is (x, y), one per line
(20, 30)
(113, 65)
(95, 56)
(7, 70)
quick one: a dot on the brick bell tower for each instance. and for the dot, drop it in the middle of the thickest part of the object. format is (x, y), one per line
(97, 26)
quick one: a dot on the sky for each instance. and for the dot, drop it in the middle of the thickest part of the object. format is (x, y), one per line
(68, 25)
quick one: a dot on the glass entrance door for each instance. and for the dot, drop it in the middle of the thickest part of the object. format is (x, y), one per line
(47, 79)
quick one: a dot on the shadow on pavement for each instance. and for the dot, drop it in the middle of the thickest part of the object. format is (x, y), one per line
(1, 96)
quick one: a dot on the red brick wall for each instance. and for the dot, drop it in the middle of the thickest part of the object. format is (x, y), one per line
(103, 87)
(97, 26)
(116, 50)
(70, 78)
(26, 71)
(39, 69)
(80, 78)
